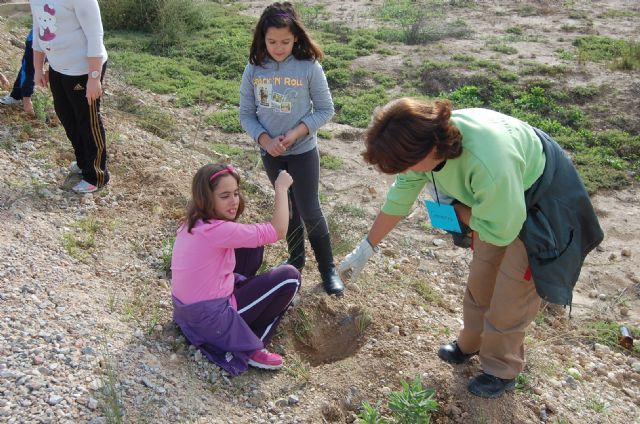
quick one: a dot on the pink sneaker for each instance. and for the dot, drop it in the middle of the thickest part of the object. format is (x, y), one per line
(84, 187)
(265, 360)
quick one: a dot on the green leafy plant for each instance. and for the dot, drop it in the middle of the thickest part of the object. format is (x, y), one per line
(413, 404)
(227, 120)
(328, 161)
(370, 415)
(167, 253)
(326, 134)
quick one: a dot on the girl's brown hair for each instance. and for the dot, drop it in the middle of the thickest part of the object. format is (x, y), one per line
(201, 205)
(404, 131)
(281, 15)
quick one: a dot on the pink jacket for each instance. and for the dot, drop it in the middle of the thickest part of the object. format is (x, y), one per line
(203, 260)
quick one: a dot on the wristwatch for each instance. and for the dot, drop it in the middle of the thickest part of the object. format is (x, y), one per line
(94, 74)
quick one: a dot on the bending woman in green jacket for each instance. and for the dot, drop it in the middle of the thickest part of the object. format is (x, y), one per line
(492, 165)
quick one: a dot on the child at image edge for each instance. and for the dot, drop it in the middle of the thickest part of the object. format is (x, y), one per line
(222, 307)
(284, 99)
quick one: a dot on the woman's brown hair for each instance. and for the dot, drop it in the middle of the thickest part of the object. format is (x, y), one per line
(404, 131)
(281, 15)
(201, 205)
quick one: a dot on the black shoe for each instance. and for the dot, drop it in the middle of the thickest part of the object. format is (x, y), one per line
(451, 353)
(332, 282)
(489, 386)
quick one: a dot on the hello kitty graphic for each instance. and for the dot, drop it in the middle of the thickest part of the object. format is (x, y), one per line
(47, 26)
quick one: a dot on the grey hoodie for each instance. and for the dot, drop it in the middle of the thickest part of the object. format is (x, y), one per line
(276, 97)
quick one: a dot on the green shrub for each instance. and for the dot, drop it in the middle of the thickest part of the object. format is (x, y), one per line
(596, 48)
(355, 108)
(338, 78)
(168, 20)
(413, 404)
(384, 80)
(328, 161)
(173, 76)
(326, 134)
(515, 30)
(504, 48)
(418, 24)
(227, 120)
(630, 59)
(467, 96)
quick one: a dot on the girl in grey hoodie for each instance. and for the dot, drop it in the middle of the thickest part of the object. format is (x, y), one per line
(284, 99)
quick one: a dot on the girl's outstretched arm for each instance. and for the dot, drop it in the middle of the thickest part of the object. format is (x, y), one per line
(280, 219)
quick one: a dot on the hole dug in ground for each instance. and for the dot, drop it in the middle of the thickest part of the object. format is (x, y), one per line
(323, 336)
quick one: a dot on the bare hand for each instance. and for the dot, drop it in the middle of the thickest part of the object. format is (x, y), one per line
(4, 82)
(288, 139)
(41, 78)
(274, 146)
(94, 90)
(283, 181)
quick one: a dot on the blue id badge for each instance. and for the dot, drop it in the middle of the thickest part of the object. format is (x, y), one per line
(443, 216)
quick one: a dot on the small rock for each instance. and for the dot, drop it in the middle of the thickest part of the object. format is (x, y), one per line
(602, 296)
(92, 403)
(293, 400)
(87, 351)
(438, 242)
(555, 383)
(624, 311)
(612, 257)
(281, 403)
(593, 294)
(626, 252)
(54, 400)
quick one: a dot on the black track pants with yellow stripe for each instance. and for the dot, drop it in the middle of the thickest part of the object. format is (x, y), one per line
(82, 123)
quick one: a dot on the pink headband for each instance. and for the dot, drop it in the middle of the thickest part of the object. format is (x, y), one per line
(226, 170)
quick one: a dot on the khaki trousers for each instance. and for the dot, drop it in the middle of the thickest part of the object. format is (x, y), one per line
(499, 304)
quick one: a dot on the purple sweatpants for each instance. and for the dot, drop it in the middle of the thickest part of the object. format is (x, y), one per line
(263, 299)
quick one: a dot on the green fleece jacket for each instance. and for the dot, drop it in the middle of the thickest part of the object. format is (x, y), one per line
(501, 158)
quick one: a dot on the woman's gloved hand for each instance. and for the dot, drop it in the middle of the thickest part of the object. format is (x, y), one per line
(354, 262)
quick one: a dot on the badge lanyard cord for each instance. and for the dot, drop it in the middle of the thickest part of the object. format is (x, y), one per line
(435, 188)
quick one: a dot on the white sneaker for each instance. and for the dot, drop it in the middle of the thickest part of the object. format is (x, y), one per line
(74, 168)
(10, 101)
(84, 187)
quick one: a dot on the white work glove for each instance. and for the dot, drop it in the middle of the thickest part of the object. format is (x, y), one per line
(444, 198)
(353, 263)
